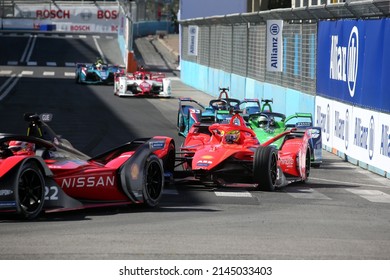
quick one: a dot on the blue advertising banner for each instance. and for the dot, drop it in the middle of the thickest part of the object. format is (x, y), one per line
(353, 62)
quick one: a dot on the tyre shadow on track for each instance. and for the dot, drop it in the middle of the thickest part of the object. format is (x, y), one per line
(88, 214)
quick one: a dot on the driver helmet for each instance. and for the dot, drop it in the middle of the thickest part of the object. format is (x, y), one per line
(272, 121)
(232, 136)
(99, 64)
(139, 77)
(21, 147)
(221, 105)
(262, 121)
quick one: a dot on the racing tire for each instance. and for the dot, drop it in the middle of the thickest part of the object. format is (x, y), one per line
(169, 161)
(153, 181)
(180, 122)
(115, 89)
(308, 165)
(30, 190)
(265, 168)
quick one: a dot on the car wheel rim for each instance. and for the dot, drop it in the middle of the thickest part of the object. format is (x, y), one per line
(154, 180)
(30, 191)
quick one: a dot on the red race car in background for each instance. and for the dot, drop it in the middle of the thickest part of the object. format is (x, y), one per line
(41, 171)
(230, 155)
(142, 83)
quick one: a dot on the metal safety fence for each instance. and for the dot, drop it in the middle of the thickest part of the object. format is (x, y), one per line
(237, 43)
(241, 49)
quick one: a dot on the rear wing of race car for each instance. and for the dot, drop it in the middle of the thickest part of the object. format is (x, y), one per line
(250, 106)
(304, 122)
(188, 114)
(189, 99)
(301, 120)
(157, 76)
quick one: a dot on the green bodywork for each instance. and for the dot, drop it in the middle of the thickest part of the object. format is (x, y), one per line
(277, 124)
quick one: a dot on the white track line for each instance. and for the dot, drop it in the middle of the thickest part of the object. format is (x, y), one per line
(372, 195)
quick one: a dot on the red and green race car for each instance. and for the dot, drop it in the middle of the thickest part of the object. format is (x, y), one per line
(217, 111)
(230, 155)
(267, 124)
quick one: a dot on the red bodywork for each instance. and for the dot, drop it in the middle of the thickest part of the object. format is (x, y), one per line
(205, 152)
(57, 177)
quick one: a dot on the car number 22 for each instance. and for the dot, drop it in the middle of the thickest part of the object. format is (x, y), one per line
(51, 193)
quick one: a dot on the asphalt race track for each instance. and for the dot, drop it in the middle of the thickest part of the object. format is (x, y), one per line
(342, 212)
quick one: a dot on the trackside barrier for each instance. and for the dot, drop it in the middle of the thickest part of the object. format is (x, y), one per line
(335, 68)
(131, 62)
(67, 17)
(358, 135)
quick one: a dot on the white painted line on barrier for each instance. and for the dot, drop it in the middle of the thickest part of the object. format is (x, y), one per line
(51, 64)
(70, 74)
(371, 195)
(32, 63)
(13, 63)
(70, 64)
(47, 73)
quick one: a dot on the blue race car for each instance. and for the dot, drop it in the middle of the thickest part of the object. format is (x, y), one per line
(97, 73)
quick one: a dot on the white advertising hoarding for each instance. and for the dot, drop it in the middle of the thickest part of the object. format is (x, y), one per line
(192, 40)
(274, 45)
(361, 134)
(65, 17)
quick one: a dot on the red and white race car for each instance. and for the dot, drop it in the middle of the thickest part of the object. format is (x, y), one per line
(142, 83)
